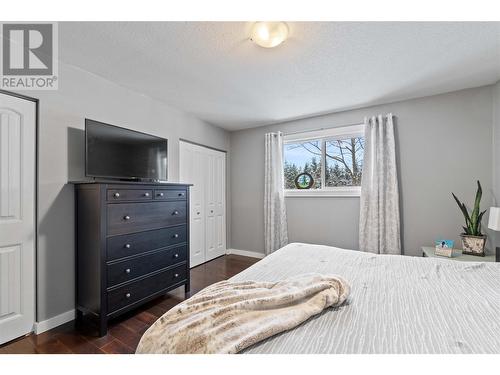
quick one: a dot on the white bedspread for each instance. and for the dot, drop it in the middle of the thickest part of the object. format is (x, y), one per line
(398, 304)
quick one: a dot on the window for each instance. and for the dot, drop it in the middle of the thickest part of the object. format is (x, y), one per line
(333, 158)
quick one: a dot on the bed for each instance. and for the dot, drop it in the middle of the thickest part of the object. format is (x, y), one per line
(398, 304)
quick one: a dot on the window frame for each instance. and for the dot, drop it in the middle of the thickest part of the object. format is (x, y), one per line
(325, 135)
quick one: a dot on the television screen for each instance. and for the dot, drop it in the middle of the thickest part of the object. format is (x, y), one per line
(114, 152)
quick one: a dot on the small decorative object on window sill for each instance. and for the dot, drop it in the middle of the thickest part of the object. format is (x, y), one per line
(304, 181)
(473, 240)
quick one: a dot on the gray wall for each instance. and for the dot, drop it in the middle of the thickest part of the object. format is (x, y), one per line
(61, 154)
(445, 144)
(496, 152)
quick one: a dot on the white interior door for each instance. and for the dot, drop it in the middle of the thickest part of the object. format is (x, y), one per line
(205, 169)
(210, 206)
(191, 170)
(17, 216)
(216, 207)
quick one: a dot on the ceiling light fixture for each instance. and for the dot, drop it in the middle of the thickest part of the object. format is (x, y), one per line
(269, 34)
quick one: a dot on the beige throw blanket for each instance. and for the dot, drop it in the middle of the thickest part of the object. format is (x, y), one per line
(228, 317)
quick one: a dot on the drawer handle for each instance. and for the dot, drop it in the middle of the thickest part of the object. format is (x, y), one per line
(116, 195)
(176, 255)
(175, 235)
(127, 270)
(181, 194)
(176, 275)
(126, 217)
(146, 194)
(127, 246)
(127, 295)
(175, 212)
(198, 213)
(211, 211)
(160, 194)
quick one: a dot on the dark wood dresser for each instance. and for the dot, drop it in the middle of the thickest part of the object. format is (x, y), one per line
(132, 245)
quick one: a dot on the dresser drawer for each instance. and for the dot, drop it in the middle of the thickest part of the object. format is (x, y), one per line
(128, 294)
(134, 217)
(129, 194)
(137, 243)
(169, 194)
(130, 269)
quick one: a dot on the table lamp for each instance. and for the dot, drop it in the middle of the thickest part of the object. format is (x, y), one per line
(494, 224)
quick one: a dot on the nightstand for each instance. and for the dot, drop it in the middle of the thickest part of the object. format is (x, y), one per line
(428, 251)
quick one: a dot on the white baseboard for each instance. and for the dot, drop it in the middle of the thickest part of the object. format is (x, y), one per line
(245, 253)
(55, 321)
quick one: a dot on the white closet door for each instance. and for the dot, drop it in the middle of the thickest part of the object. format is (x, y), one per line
(17, 217)
(206, 169)
(210, 207)
(192, 171)
(219, 204)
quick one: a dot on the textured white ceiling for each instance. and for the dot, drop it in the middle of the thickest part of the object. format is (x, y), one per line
(212, 70)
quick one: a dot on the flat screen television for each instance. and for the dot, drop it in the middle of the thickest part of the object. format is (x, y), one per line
(118, 153)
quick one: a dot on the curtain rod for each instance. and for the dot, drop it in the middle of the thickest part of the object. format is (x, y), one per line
(318, 129)
(333, 127)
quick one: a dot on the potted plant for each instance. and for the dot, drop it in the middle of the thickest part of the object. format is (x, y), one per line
(473, 240)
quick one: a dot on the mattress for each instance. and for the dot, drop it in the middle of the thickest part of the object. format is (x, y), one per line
(398, 304)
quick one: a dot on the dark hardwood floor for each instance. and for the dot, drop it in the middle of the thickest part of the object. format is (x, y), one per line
(124, 332)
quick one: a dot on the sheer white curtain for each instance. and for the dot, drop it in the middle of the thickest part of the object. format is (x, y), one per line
(275, 225)
(379, 225)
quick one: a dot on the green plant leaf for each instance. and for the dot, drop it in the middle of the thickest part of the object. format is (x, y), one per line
(464, 211)
(475, 211)
(480, 217)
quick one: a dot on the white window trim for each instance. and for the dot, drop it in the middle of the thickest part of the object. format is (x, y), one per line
(341, 191)
(340, 132)
(350, 131)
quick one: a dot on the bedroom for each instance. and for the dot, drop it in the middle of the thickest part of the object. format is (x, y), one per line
(158, 159)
